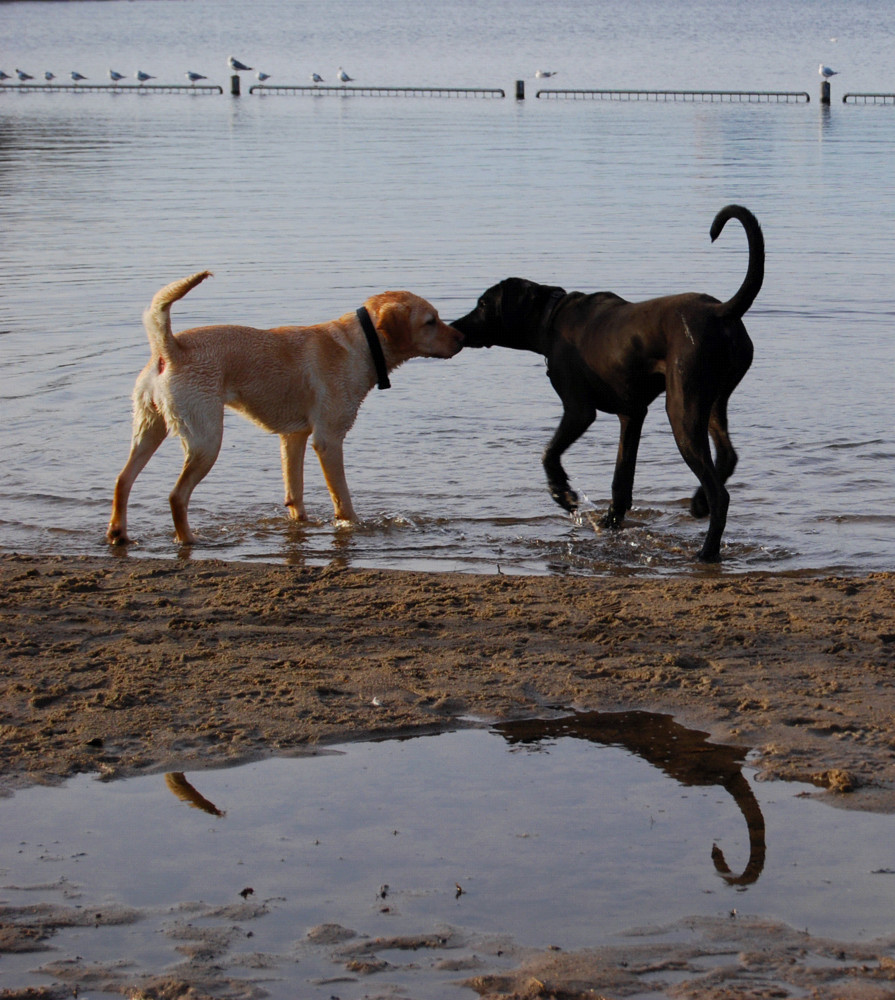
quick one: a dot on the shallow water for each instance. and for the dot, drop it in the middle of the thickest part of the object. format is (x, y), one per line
(304, 206)
(572, 832)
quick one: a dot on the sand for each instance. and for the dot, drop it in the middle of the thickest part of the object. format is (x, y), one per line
(122, 666)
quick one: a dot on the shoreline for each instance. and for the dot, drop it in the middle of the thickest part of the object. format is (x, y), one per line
(125, 666)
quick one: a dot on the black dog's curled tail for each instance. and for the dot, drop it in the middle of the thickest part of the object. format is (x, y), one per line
(751, 286)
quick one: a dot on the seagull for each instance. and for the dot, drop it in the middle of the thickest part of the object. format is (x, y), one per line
(236, 65)
(262, 76)
(76, 76)
(48, 76)
(23, 76)
(194, 77)
(4, 76)
(317, 78)
(143, 77)
(544, 74)
(344, 77)
(826, 72)
(115, 76)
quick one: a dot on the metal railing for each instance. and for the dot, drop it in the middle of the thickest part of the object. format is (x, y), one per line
(108, 88)
(868, 99)
(333, 90)
(690, 96)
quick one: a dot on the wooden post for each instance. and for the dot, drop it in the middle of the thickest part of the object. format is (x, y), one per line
(234, 85)
(825, 92)
(520, 90)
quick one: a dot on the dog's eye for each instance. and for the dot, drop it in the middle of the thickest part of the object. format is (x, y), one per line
(431, 321)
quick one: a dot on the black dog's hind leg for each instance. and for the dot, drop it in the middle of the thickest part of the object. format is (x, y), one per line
(725, 456)
(575, 421)
(626, 462)
(689, 421)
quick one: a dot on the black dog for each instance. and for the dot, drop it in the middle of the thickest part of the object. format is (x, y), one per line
(604, 353)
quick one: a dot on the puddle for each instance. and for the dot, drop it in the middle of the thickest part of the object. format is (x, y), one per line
(403, 866)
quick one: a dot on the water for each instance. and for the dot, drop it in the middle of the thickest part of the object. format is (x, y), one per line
(569, 833)
(303, 207)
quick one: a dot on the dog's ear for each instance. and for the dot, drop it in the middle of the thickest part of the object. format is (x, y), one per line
(521, 302)
(392, 319)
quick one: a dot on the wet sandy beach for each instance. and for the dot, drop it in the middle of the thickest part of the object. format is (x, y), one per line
(124, 666)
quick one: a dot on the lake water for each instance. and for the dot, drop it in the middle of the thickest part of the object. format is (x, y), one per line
(305, 206)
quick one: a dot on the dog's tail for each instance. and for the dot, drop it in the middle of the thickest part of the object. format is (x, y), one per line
(743, 299)
(157, 318)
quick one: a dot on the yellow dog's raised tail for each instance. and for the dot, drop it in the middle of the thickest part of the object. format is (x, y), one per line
(157, 318)
(745, 295)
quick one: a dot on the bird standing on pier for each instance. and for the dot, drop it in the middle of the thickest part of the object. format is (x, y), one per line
(194, 77)
(49, 77)
(344, 77)
(316, 78)
(4, 76)
(143, 77)
(236, 65)
(114, 76)
(23, 76)
(76, 76)
(262, 76)
(826, 72)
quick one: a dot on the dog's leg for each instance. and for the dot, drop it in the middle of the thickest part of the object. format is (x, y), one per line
(575, 421)
(690, 425)
(149, 432)
(202, 444)
(625, 464)
(725, 456)
(292, 454)
(332, 461)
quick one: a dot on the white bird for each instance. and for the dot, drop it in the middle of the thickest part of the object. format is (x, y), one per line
(23, 76)
(236, 65)
(76, 76)
(544, 74)
(143, 77)
(826, 72)
(262, 76)
(316, 78)
(48, 76)
(344, 77)
(194, 77)
(114, 76)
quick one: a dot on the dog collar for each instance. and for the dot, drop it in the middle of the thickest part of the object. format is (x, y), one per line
(375, 348)
(552, 303)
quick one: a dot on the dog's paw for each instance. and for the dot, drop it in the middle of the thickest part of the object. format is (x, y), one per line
(709, 554)
(699, 505)
(611, 520)
(567, 499)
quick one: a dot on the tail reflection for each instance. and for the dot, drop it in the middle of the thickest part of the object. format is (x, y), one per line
(683, 754)
(178, 784)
